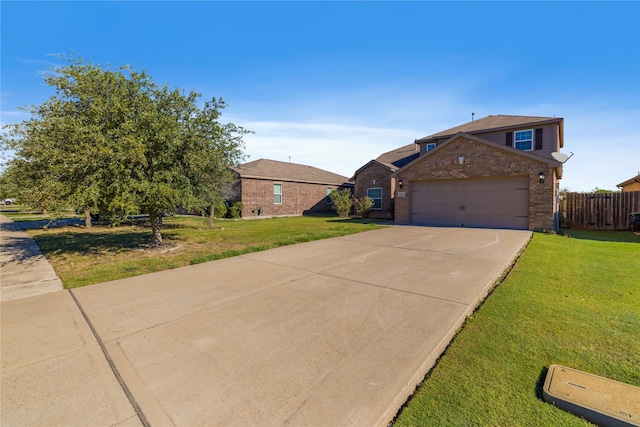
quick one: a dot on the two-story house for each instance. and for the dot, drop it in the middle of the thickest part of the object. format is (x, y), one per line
(496, 172)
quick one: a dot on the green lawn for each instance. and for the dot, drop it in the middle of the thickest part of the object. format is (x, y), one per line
(18, 213)
(83, 256)
(572, 301)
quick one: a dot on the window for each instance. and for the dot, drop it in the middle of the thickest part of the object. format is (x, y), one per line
(523, 140)
(375, 194)
(431, 146)
(329, 198)
(277, 194)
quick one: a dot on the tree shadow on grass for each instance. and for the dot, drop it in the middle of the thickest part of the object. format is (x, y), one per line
(10, 226)
(105, 238)
(22, 224)
(78, 242)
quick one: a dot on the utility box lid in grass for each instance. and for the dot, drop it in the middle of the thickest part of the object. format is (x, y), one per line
(602, 401)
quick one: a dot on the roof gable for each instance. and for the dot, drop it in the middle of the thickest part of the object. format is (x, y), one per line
(283, 171)
(388, 166)
(394, 159)
(550, 162)
(629, 181)
(492, 124)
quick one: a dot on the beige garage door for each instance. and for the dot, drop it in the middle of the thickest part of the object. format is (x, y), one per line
(483, 202)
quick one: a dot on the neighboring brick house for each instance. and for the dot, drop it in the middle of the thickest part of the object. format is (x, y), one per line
(496, 172)
(270, 187)
(632, 184)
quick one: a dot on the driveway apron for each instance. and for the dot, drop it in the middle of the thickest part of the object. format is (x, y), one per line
(333, 332)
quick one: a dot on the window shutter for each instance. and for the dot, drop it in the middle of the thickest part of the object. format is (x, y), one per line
(538, 139)
(510, 139)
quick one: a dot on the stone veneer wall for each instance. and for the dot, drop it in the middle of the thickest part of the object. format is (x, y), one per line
(482, 160)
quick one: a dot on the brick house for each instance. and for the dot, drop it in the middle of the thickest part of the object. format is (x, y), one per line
(495, 172)
(374, 180)
(270, 187)
(632, 184)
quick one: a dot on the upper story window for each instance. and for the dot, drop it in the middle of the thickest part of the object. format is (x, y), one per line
(526, 140)
(431, 146)
(375, 194)
(277, 194)
(523, 140)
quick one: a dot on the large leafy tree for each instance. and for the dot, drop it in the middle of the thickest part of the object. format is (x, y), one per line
(114, 142)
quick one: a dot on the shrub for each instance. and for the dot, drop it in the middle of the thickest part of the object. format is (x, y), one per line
(220, 208)
(236, 210)
(342, 202)
(363, 206)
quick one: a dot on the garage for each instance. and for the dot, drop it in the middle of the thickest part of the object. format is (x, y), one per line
(492, 202)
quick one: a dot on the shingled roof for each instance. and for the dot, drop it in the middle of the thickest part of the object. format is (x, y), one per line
(283, 171)
(400, 156)
(493, 123)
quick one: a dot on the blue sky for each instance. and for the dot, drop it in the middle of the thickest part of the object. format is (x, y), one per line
(335, 84)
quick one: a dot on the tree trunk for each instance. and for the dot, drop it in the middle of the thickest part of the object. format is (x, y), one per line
(87, 218)
(211, 216)
(155, 228)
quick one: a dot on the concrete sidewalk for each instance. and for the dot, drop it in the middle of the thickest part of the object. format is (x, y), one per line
(24, 271)
(333, 332)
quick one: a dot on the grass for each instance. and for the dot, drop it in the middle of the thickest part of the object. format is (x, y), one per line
(19, 213)
(82, 256)
(573, 301)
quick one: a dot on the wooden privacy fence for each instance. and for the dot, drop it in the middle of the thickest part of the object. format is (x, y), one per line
(599, 211)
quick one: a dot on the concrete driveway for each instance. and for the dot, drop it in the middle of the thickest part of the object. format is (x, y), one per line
(334, 332)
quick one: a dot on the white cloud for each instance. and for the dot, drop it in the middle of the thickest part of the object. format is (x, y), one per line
(337, 148)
